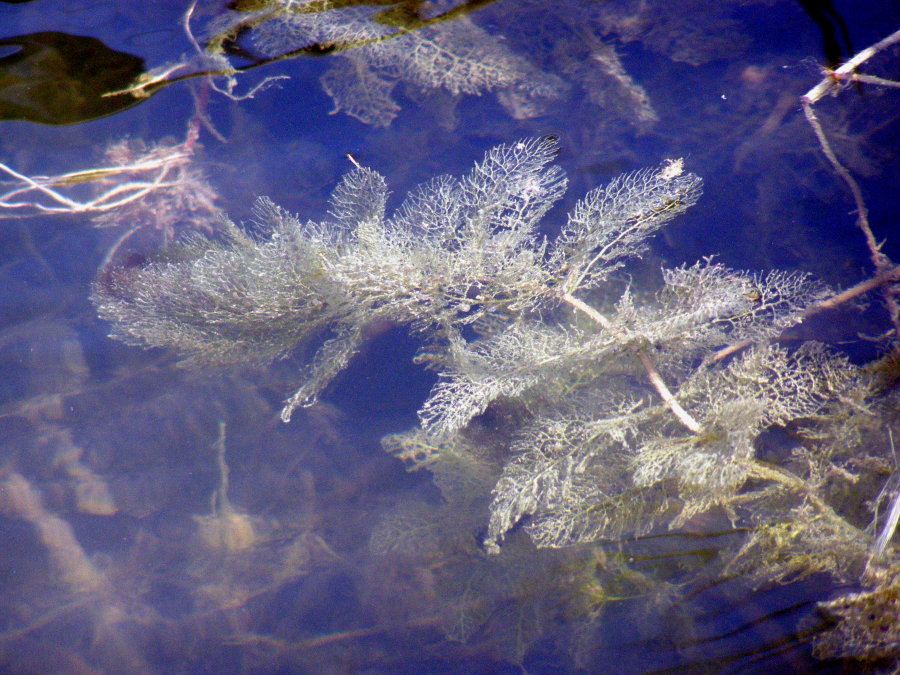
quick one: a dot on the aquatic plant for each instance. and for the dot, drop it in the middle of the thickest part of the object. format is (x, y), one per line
(458, 251)
(623, 425)
(394, 46)
(584, 398)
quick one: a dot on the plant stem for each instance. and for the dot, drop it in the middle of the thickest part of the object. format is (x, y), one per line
(653, 375)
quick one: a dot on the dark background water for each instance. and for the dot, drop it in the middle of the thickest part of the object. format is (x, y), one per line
(724, 82)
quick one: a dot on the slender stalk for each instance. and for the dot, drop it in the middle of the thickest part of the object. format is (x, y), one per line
(892, 274)
(653, 375)
(862, 212)
(834, 78)
(847, 72)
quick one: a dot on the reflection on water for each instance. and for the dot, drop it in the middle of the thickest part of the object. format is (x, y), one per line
(156, 518)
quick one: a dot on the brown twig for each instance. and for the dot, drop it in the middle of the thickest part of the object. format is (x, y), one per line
(886, 272)
(847, 70)
(890, 275)
(832, 83)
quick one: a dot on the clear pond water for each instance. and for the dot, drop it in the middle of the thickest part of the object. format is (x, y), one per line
(156, 518)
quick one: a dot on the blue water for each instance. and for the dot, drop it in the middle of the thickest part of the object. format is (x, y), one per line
(118, 444)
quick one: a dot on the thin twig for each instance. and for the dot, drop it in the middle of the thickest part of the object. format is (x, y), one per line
(890, 275)
(829, 84)
(156, 165)
(846, 71)
(879, 259)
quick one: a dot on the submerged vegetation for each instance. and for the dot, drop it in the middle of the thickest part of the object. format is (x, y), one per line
(625, 421)
(611, 444)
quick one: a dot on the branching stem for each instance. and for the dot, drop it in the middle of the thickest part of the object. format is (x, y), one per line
(833, 79)
(653, 375)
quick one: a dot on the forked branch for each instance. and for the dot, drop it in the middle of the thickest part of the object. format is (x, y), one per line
(659, 384)
(833, 82)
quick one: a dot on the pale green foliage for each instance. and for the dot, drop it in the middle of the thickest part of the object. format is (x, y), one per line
(360, 93)
(632, 207)
(593, 453)
(563, 465)
(712, 304)
(863, 625)
(464, 475)
(460, 470)
(607, 468)
(765, 387)
(507, 364)
(456, 55)
(242, 298)
(210, 304)
(457, 250)
(803, 543)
